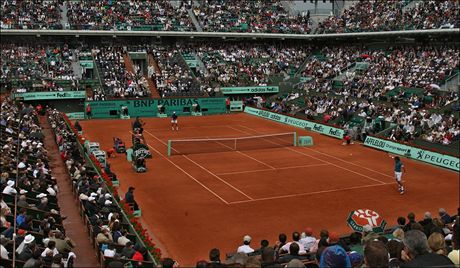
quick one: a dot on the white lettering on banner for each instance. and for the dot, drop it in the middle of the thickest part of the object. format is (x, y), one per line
(320, 128)
(438, 159)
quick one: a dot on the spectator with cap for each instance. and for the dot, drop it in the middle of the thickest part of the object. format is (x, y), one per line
(417, 253)
(245, 248)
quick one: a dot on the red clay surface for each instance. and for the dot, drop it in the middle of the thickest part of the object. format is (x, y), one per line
(196, 202)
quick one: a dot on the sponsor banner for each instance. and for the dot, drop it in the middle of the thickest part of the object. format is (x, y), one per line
(236, 106)
(249, 90)
(149, 107)
(87, 64)
(75, 116)
(296, 122)
(433, 158)
(54, 95)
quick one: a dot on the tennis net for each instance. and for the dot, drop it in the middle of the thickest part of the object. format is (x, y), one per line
(198, 146)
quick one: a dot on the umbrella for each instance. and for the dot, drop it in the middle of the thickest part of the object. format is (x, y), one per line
(361, 217)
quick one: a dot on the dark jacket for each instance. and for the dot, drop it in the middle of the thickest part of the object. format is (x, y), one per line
(429, 260)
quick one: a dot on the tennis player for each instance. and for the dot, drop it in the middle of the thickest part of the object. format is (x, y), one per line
(399, 169)
(174, 121)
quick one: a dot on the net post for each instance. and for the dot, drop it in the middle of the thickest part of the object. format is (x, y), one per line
(169, 147)
(295, 138)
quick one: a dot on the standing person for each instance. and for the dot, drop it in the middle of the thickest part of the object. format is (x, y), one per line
(138, 123)
(88, 111)
(399, 169)
(174, 121)
(227, 104)
(78, 127)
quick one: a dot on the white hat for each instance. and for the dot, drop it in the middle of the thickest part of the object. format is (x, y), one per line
(23, 191)
(107, 195)
(247, 238)
(108, 202)
(10, 183)
(91, 198)
(93, 194)
(21, 165)
(41, 195)
(29, 239)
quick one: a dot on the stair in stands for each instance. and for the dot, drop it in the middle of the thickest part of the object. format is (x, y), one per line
(128, 63)
(153, 88)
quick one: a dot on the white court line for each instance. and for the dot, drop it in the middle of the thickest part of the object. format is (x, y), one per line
(219, 178)
(325, 161)
(348, 162)
(310, 193)
(214, 175)
(186, 173)
(262, 170)
(267, 165)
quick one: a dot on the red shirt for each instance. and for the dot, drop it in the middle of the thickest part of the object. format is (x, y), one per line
(138, 256)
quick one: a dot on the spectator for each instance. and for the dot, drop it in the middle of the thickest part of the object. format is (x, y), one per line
(427, 223)
(368, 234)
(245, 248)
(417, 252)
(128, 251)
(411, 218)
(214, 259)
(437, 244)
(307, 240)
(129, 198)
(444, 216)
(296, 240)
(335, 256)
(294, 249)
(376, 254)
(395, 248)
(268, 258)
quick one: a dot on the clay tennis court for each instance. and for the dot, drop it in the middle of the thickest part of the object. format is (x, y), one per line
(194, 202)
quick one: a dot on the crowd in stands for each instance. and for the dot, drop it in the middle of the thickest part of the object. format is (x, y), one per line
(250, 16)
(117, 81)
(23, 14)
(429, 242)
(174, 77)
(247, 65)
(128, 15)
(109, 231)
(37, 68)
(32, 229)
(381, 15)
(226, 16)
